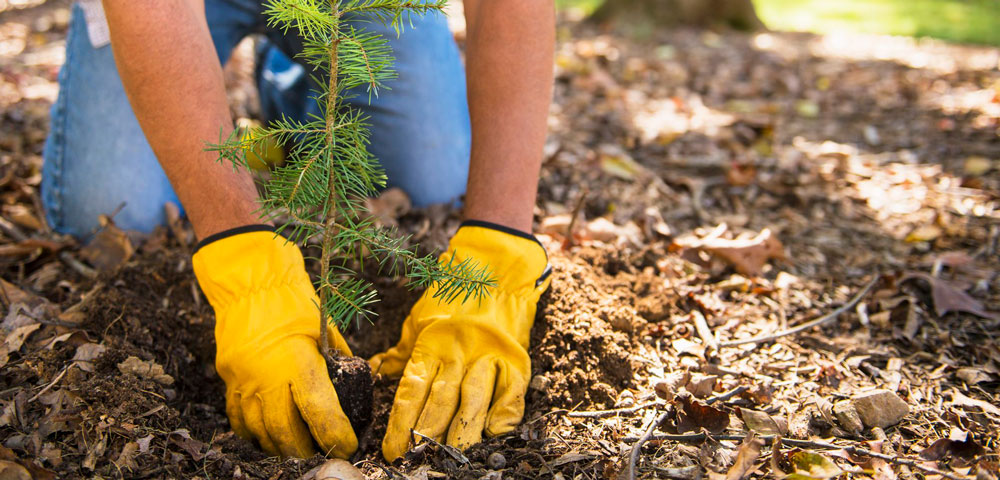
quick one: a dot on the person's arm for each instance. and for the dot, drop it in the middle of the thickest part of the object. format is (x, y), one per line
(510, 47)
(464, 365)
(278, 390)
(168, 65)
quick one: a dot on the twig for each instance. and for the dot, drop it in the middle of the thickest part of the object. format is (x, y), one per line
(633, 456)
(4, 298)
(727, 395)
(695, 437)
(810, 324)
(77, 265)
(683, 473)
(12, 231)
(576, 213)
(51, 384)
(612, 412)
(450, 450)
(701, 326)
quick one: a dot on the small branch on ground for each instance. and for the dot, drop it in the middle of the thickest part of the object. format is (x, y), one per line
(12, 231)
(810, 324)
(615, 411)
(576, 213)
(701, 326)
(633, 456)
(727, 395)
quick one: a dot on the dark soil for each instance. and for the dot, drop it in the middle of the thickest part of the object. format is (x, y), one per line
(352, 378)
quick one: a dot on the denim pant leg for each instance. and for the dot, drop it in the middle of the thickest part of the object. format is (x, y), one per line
(96, 156)
(420, 129)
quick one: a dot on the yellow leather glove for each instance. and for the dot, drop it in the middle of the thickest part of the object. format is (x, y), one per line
(465, 366)
(266, 327)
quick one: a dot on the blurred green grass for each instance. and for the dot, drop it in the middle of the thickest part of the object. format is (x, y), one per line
(962, 21)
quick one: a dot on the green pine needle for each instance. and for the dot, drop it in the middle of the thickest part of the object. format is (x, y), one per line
(330, 155)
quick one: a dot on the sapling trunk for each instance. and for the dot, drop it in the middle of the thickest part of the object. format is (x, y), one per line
(319, 191)
(330, 222)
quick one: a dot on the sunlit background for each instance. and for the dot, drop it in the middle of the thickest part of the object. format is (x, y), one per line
(965, 21)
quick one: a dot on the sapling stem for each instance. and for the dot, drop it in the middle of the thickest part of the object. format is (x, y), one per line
(317, 192)
(330, 222)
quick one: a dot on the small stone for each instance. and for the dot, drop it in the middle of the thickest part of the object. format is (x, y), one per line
(626, 399)
(799, 426)
(496, 461)
(337, 469)
(880, 408)
(847, 416)
(540, 383)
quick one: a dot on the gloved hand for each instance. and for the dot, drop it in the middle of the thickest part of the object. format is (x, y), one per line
(266, 327)
(465, 366)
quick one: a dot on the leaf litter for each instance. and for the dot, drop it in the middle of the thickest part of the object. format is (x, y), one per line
(828, 163)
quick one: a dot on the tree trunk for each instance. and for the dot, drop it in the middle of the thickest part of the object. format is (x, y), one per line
(738, 14)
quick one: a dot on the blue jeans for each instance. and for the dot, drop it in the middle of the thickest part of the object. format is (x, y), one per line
(97, 158)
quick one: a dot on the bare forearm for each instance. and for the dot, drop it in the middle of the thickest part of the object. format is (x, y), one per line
(174, 82)
(510, 50)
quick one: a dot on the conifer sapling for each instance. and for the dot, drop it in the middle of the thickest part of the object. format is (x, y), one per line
(320, 190)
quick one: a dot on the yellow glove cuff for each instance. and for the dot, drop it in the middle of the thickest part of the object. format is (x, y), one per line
(517, 259)
(233, 264)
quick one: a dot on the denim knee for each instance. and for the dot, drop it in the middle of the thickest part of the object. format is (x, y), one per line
(420, 129)
(96, 159)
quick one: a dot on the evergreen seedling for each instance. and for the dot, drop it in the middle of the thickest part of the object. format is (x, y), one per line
(320, 190)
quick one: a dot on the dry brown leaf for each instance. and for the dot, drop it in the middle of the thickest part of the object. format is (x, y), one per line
(882, 469)
(182, 438)
(15, 295)
(9, 463)
(684, 346)
(946, 447)
(74, 338)
(761, 422)
(746, 456)
(85, 355)
(741, 175)
(145, 369)
(701, 386)
(973, 376)
(570, 457)
(13, 471)
(23, 216)
(16, 338)
(617, 163)
(692, 416)
(812, 466)
(747, 255)
(126, 457)
(109, 248)
(759, 393)
(391, 204)
(958, 399)
(949, 298)
(668, 387)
